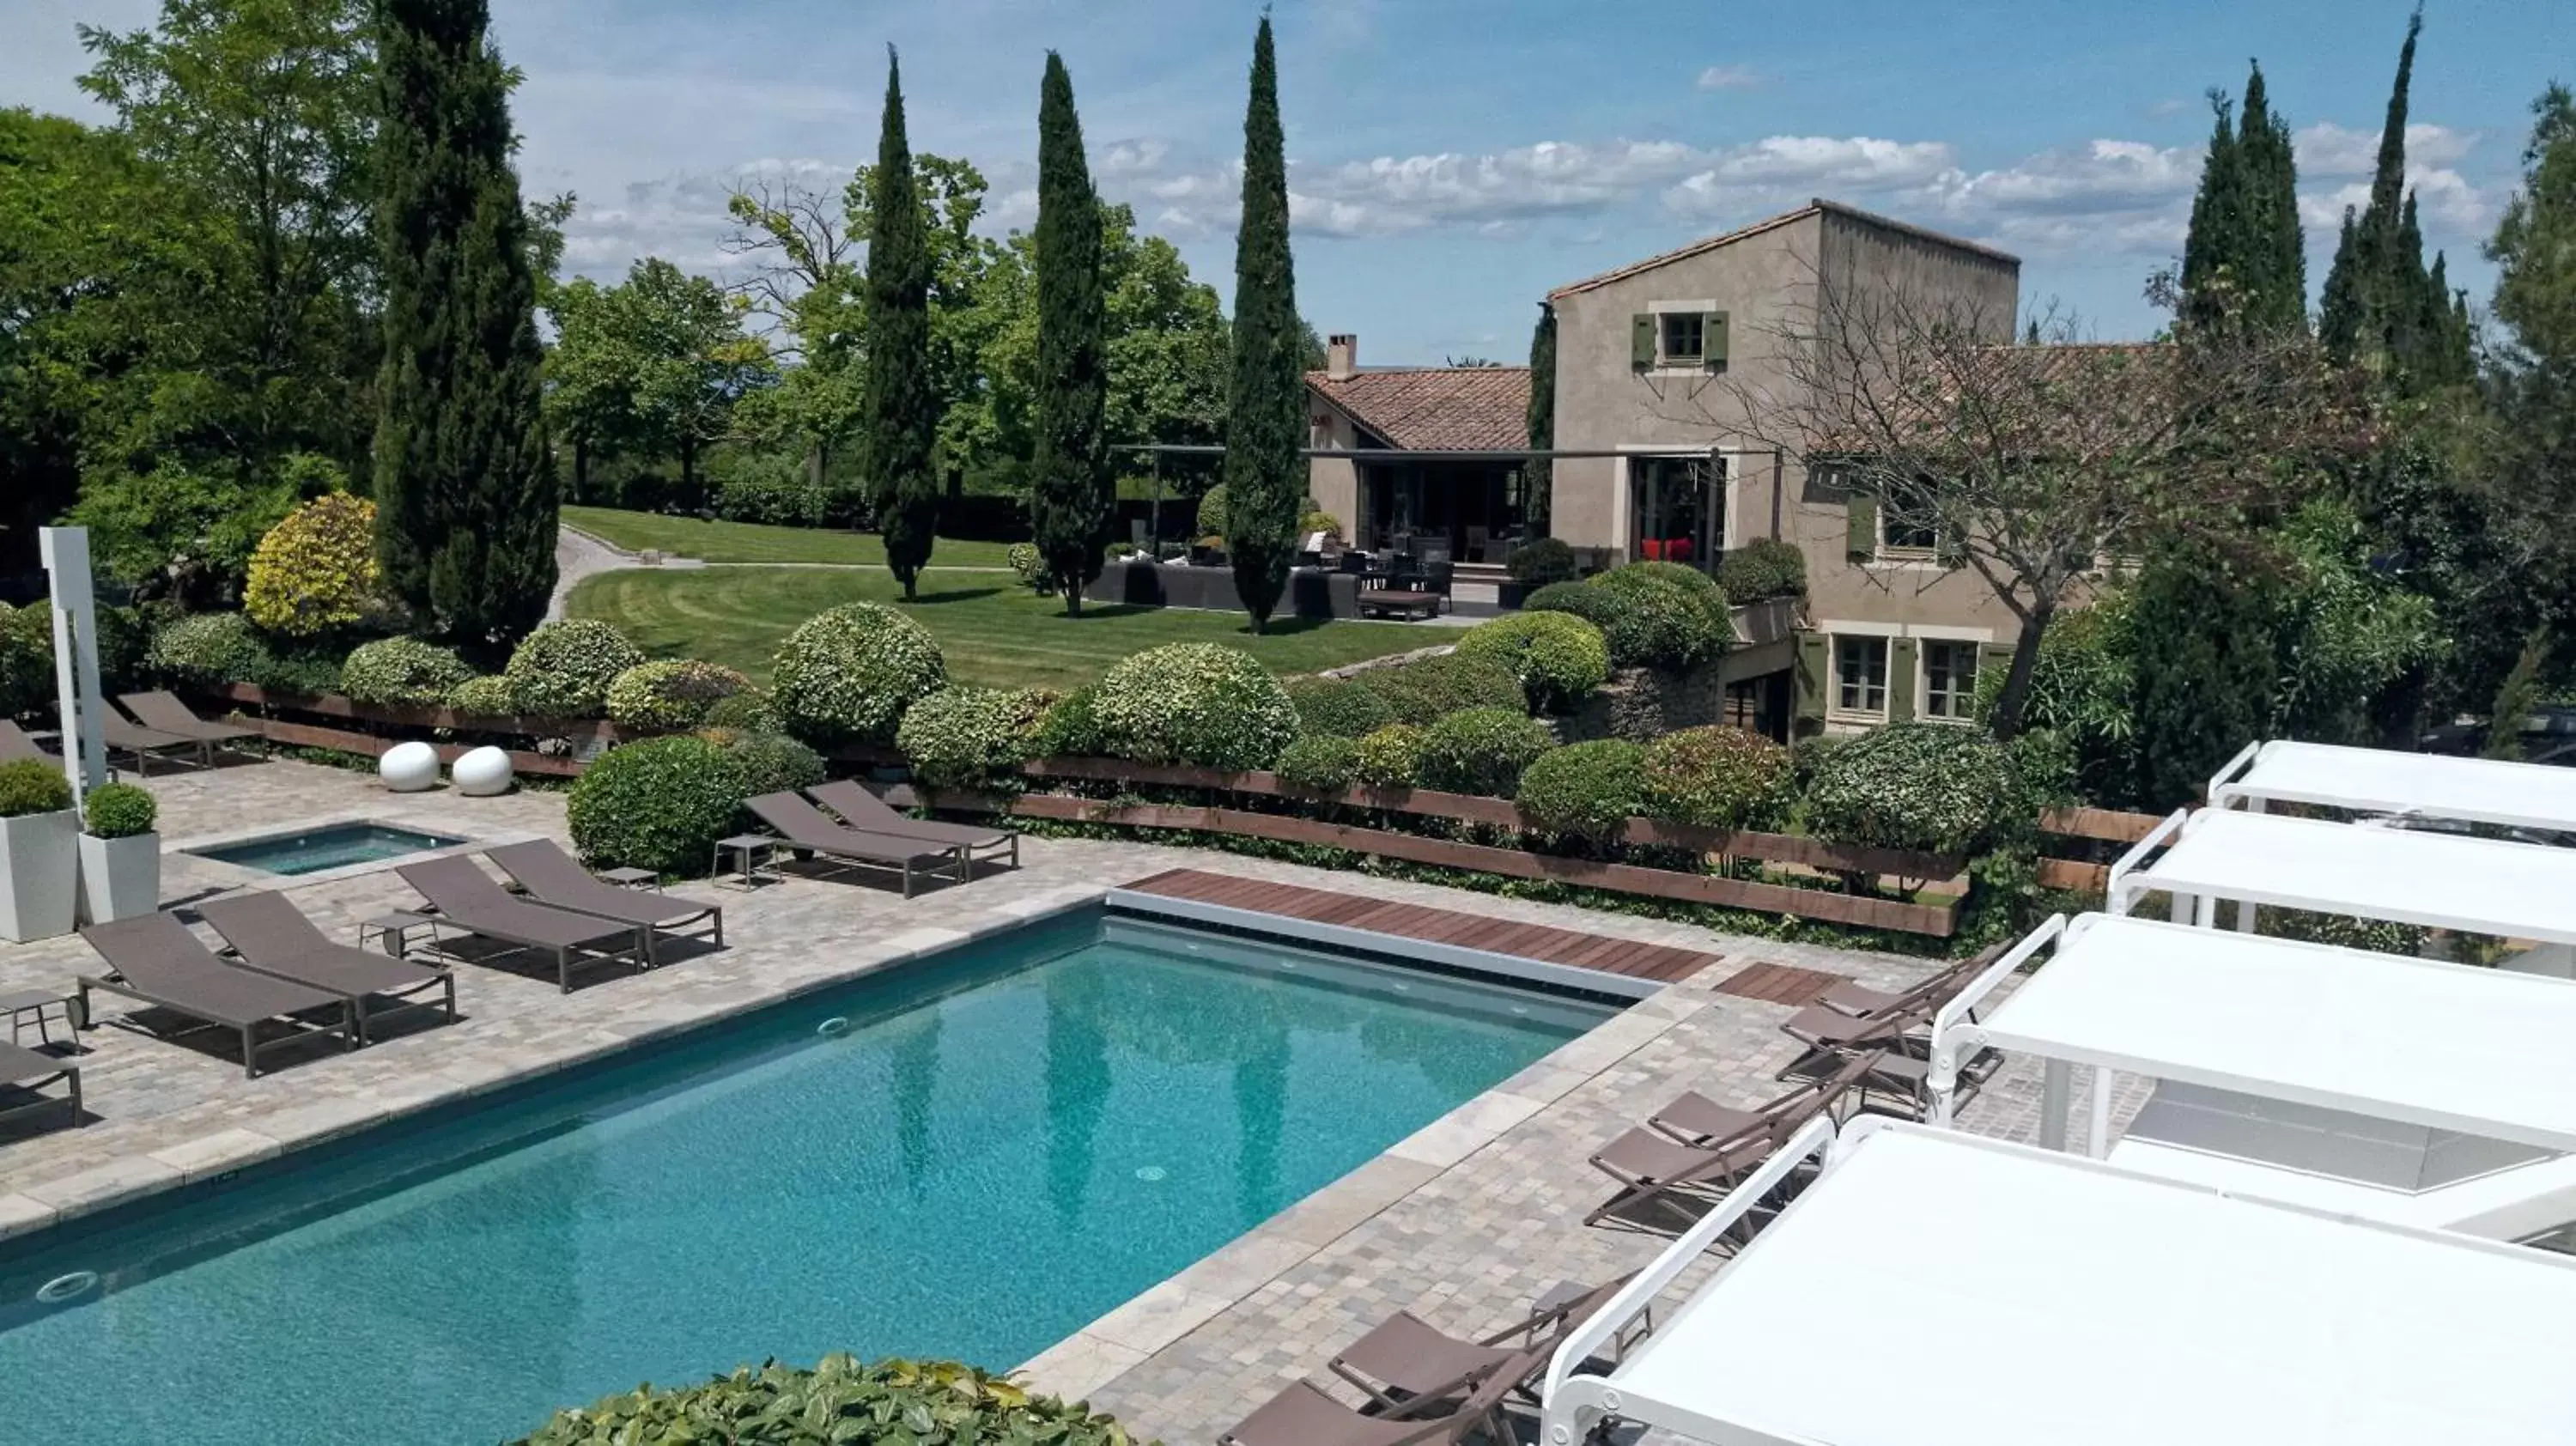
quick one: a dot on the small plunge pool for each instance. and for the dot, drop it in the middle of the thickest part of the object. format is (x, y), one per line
(334, 846)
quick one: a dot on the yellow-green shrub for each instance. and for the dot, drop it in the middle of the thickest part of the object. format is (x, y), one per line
(316, 570)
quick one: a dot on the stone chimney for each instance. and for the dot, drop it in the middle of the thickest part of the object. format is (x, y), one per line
(1342, 356)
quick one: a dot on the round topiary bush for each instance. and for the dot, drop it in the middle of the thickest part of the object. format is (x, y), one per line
(1211, 514)
(1391, 756)
(1027, 563)
(1719, 777)
(1541, 561)
(1195, 703)
(484, 697)
(1325, 762)
(315, 571)
(1933, 787)
(1481, 750)
(1658, 620)
(840, 1400)
(1584, 790)
(670, 693)
(1071, 726)
(660, 804)
(1423, 690)
(846, 675)
(747, 711)
(210, 648)
(402, 671)
(772, 762)
(1761, 570)
(1558, 658)
(29, 785)
(1338, 706)
(1591, 604)
(118, 810)
(971, 737)
(563, 669)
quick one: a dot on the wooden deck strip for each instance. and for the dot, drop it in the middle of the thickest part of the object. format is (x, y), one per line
(1635, 958)
(1779, 983)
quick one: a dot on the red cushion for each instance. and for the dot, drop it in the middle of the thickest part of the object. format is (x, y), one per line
(1654, 549)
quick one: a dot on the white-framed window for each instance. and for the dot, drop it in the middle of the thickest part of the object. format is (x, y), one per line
(1681, 338)
(1909, 539)
(1949, 680)
(1860, 676)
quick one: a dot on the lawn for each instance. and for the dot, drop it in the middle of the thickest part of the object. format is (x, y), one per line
(992, 630)
(756, 542)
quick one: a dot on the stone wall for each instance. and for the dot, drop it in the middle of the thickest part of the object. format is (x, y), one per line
(1640, 705)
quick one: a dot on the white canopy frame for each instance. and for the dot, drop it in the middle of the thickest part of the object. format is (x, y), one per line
(2362, 871)
(2411, 785)
(2139, 1311)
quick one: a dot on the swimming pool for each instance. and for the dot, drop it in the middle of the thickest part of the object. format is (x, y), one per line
(330, 847)
(984, 1153)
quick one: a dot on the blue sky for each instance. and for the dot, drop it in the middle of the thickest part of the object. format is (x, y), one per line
(1452, 160)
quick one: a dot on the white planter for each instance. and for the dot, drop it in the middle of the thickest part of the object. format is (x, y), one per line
(120, 878)
(482, 773)
(409, 767)
(38, 869)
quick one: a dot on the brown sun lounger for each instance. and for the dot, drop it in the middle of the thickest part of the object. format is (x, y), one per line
(862, 809)
(466, 897)
(153, 959)
(1653, 1168)
(269, 935)
(1304, 1415)
(799, 823)
(1405, 1365)
(142, 744)
(165, 712)
(556, 878)
(32, 1072)
(17, 747)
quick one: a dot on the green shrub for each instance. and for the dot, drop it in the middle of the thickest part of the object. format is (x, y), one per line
(1541, 561)
(1679, 574)
(1423, 690)
(211, 648)
(27, 659)
(1589, 603)
(29, 785)
(1338, 707)
(484, 697)
(563, 669)
(1719, 777)
(1325, 762)
(1481, 750)
(1028, 563)
(772, 762)
(1558, 658)
(846, 675)
(964, 737)
(1195, 703)
(1211, 514)
(747, 711)
(1317, 520)
(660, 804)
(1761, 570)
(1391, 756)
(315, 571)
(118, 810)
(1071, 728)
(670, 693)
(1935, 787)
(402, 671)
(1658, 621)
(927, 1403)
(1584, 790)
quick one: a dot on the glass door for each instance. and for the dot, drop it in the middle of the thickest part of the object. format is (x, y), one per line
(1677, 510)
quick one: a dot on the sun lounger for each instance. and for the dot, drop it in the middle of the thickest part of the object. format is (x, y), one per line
(155, 960)
(1407, 1366)
(554, 877)
(466, 897)
(33, 1071)
(1655, 1169)
(143, 743)
(165, 712)
(16, 746)
(799, 823)
(1303, 1415)
(863, 810)
(269, 935)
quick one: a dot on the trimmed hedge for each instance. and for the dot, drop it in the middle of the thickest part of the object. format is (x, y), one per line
(211, 648)
(1338, 707)
(1071, 728)
(670, 693)
(1584, 790)
(841, 1402)
(1719, 777)
(847, 674)
(772, 762)
(1481, 750)
(118, 810)
(1934, 787)
(1325, 762)
(1761, 570)
(1658, 620)
(1211, 513)
(1195, 703)
(27, 659)
(402, 671)
(1558, 658)
(1541, 561)
(660, 804)
(1391, 756)
(484, 697)
(29, 785)
(963, 737)
(747, 711)
(315, 571)
(563, 669)
(1028, 564)
(1422, 690)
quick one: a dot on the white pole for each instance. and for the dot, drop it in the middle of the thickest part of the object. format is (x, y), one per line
(75, 610)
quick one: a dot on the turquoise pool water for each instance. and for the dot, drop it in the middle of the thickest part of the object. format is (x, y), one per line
(988, 1153)
(326, 848)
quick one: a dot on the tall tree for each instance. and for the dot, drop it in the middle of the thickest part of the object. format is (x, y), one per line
(656, 364)
(2380, 300)
(2213, 247)
(1069, 495)
(903, 403)
(2534, 378)
(465, 484)
(1538, 475)
(2243, 263)
(1265, 477)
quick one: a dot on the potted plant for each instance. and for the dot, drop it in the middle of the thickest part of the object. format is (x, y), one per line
(120, 855)
(38, 862)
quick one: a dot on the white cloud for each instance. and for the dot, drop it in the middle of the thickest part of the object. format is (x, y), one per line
(1728, 77)
(2327, 149)
(2447, 203)
(2105, 176)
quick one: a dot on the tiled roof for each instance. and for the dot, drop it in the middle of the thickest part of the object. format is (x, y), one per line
(1814, 207)
(1436, 409)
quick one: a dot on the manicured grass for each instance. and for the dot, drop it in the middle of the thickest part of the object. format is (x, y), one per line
(992, 630)
(754, 542)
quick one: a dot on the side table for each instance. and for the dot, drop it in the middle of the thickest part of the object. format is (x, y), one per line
(394, 931)
(755, 849)
(22, 1003)
(632, 879)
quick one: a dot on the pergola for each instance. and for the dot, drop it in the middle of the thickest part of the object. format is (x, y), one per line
(2376, 780)
(1937, 1289)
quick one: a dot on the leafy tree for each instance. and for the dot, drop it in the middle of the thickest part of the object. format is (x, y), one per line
(2533, 377)
(2381, 303)
(657, 363)
(1069, 498)
(2243, 261)
(465, 487)
(903, 404)
(1538, 474)
(1265, 477)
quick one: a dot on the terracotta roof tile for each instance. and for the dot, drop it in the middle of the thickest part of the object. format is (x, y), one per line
(1436, 409)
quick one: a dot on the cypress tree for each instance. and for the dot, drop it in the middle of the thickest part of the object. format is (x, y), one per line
(1069, 496)
(1265, 482)
(902, 403)
(2213, 246)
(2339, 309)
(2374, 291)
(1538, 475)
(464, 483)
(2275, 262)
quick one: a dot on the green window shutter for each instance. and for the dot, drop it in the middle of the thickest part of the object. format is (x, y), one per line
(1814, 669)
(1641, 341)
(1712, 333)
(1901, 656)
(1860, 535)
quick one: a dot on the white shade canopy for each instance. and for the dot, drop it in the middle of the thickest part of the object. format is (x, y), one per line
(1935, 1289)
(2376, 780)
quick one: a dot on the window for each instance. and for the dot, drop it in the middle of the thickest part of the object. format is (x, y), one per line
(1949, 680)
(1860, 676)
(1907, 536)
(1684, 338)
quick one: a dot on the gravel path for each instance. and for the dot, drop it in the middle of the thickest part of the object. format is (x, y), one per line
(579, 555)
